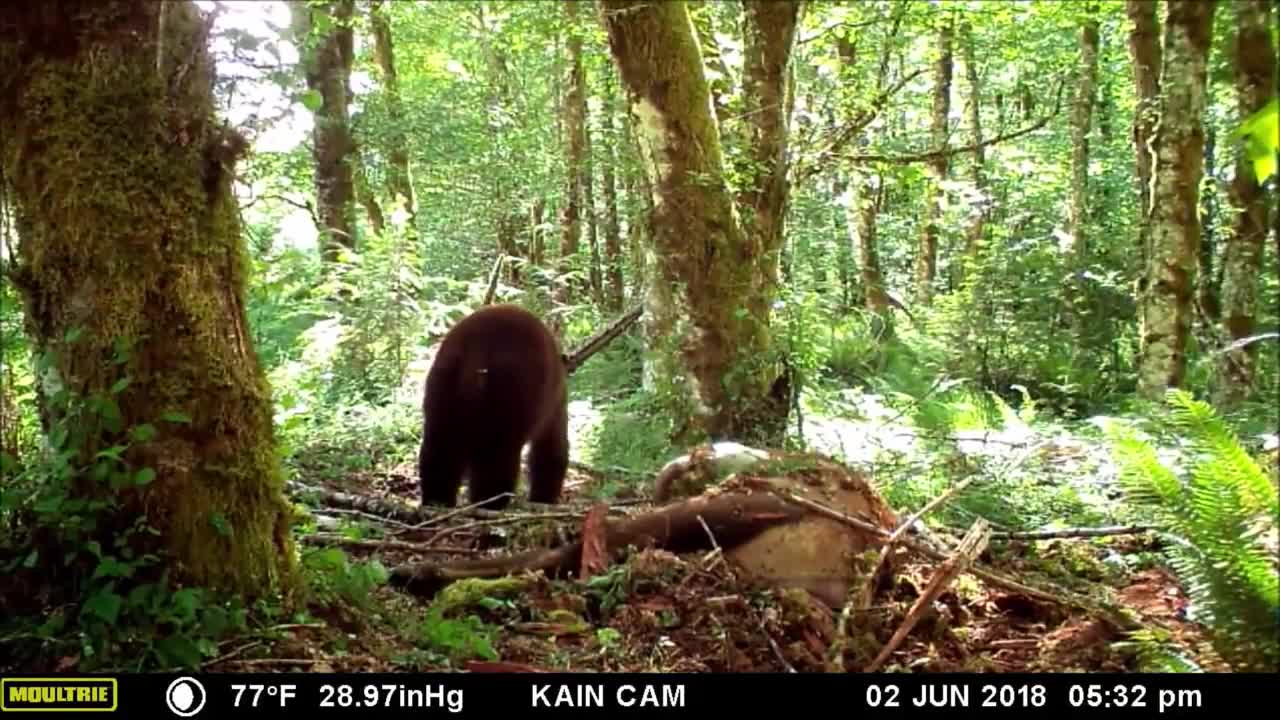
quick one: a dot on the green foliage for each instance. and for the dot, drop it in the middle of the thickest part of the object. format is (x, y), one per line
(333, 577)
(59, 523)
(456, 639)
(1220, 513)
(1261, 135)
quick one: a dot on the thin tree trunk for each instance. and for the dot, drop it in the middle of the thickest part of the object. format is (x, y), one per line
(770, 28)
(1145, 56)
(1078, 211)
(509, 220)
(328, 71)
(1175, 227)
(612, 226)
(978, 215)
(575, 130)
(936, 167)
(1081, 121)
(589, 202)
(399, 177)
(1208, 272)
(1255, 68)
(132, 267)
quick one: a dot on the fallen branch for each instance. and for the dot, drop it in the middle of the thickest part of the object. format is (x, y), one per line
(1073, 533)
(974, 542)
(733, 518)
(596, 343)
(869, 587)
(334, 539)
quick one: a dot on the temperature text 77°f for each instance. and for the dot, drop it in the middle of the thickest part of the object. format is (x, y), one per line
(255, 695)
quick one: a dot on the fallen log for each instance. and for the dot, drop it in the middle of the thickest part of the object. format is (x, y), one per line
(733, 518)
(751, 519)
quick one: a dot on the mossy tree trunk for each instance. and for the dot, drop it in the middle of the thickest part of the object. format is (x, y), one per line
(575, 143)
(399, 176)
(612, 224)
(1255, 69)
(936, 167)
(770, 30)
(710, 354)
(326, 58)
(1086, 82)
(511, 222)
(1174, 219)
(133, 269)
(1144, 56)
(976, 230)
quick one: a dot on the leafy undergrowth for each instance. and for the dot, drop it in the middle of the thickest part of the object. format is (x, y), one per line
(659, 612)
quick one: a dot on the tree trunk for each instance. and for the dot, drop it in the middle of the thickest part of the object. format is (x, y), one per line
(1081, 120)
(575, 140)
(866, 195)
(510, 222)
(936, 167)
(132, 268)
(712, 361)
(770, 29)
(327, 67)
(1145, 55)
(612, 226)
(399, 178)
(589, 202)
(1175, 227)
(1255, 69)
(1207, 270)
(1078, 211)
(978, 215)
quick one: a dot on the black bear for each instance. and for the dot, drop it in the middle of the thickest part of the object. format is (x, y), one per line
(498, 381)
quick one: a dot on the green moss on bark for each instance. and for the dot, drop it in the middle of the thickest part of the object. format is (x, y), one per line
(712, 354)
(130, 234)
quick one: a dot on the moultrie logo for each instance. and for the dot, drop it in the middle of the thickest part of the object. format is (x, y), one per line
(66, 694)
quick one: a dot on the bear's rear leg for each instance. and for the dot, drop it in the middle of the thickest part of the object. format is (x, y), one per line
(494, 470)
(441, 462)
(549, 460)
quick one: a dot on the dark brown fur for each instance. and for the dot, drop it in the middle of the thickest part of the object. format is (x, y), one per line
(497, 383)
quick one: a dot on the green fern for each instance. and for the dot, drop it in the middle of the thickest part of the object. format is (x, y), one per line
(1221, 520)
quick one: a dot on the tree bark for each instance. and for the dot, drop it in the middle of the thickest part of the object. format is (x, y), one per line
(770, 29)
(575, 141)
(132, 269)
(936, 167)
(711, 361)
(1081, 121)
(1255, 70)
(978, 215)
(1145, 56)
(612, 225)
(1078, 210)
(1175, 226)
(399, 177)
(327, 67)
(511, 224)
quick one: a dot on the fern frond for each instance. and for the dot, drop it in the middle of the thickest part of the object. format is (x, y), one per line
(1219, 516)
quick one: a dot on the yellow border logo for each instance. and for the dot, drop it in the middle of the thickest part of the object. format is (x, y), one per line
(15, 694)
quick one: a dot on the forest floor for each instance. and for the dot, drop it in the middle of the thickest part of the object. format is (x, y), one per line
(655, 611)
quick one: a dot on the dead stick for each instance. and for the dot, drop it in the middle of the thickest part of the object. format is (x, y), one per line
(1072, 533)
(974, 542)
(509, 520)
(452, 513)
(332, 539)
